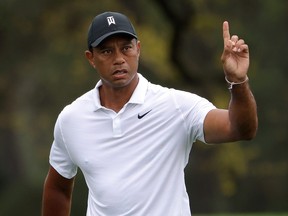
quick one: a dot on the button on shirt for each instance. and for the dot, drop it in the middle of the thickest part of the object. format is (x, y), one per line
(133, 161)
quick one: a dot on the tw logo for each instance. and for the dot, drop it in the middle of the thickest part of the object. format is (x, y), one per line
(111, 20)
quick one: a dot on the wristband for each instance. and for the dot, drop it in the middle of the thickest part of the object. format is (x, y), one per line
(231, 84)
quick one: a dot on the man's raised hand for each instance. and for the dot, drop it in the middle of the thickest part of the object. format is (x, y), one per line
(235, 56)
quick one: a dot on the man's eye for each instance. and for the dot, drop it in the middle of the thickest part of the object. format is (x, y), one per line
(106, 51)
(126, 48)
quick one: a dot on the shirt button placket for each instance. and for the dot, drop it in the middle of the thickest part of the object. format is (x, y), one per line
(117, 132)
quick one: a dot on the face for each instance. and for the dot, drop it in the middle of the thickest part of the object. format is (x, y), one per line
(116, 60)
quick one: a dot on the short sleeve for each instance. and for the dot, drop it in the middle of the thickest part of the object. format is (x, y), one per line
(194, 110)
(59, 156)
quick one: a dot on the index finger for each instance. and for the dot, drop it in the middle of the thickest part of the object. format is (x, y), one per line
(226, 33)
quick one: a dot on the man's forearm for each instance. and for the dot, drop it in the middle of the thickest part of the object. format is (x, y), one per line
(243, 111)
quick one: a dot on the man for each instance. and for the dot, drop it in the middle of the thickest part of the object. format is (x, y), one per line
(131, 138)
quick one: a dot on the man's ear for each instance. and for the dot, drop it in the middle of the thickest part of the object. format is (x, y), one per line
(89, 56)
(138, 47)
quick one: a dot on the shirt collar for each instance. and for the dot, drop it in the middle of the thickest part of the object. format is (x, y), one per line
(137, 97)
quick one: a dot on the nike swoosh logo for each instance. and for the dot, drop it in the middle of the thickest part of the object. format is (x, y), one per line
(141, 116)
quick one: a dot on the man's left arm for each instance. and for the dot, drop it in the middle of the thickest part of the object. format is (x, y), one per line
(239, 121)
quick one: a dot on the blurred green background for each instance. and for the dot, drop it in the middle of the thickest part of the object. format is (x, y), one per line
(43, 68)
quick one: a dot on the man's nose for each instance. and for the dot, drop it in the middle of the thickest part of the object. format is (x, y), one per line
(119, 57)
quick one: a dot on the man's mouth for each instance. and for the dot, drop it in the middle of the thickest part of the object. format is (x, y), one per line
(119, 72)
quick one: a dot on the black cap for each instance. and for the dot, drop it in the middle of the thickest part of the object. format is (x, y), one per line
(107, 24)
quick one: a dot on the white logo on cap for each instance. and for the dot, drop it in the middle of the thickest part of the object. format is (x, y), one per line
(111, 20)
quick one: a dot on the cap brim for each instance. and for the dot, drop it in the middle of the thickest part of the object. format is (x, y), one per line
(103, 37)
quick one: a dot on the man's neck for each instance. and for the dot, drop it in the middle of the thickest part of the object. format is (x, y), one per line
(116, 98)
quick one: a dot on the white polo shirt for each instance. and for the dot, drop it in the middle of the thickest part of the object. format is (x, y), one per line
(133, 161)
